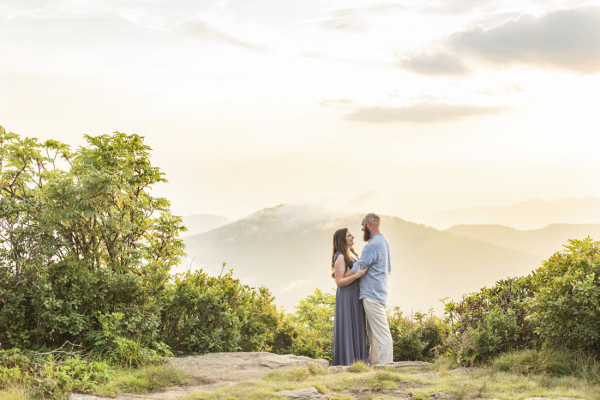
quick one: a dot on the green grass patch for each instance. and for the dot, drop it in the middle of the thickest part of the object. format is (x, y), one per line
(383, 380)
(358, 367)
(488, 382)
(297, 374)
(142, 380)
(444, 363)
(550, 362)
(13, 394)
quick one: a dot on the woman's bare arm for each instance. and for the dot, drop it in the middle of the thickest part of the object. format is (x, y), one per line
(340, 270)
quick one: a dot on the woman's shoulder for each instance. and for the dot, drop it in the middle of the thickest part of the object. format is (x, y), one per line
(337, 256)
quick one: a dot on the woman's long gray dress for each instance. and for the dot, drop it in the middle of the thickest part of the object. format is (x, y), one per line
(349, 343)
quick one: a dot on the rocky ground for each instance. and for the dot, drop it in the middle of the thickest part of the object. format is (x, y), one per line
(211, 371)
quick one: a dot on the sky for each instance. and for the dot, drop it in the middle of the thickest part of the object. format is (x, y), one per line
(404, 108)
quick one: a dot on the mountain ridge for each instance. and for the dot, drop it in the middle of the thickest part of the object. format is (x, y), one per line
(529, 214)
(288, 249)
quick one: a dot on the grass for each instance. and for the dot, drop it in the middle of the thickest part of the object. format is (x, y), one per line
(358, 368)
(13, 394)
(142, 380)
(513, 376)
(550, 362)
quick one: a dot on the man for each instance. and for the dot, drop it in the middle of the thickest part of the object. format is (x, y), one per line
(375, 289)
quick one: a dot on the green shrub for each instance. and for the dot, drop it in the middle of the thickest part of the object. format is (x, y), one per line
(420, 338)
(566, 308)
(211, 314)
(509, 295)
(497, 333)
(51, 374)
(310, 328)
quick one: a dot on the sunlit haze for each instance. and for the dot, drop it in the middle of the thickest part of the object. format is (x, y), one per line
(404, 108)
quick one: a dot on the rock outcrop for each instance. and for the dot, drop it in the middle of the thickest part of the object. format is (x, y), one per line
(236, 367)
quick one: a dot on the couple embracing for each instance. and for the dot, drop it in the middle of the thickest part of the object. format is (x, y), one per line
(363, 290)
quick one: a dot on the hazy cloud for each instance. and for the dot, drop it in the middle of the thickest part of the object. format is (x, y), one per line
(565, 39)
(348, 19)
(510, 88)
(202, 30)
(336, 102)
(454, 7)
(424, 112)
(435, 64)
(362, 200)
(353, 19)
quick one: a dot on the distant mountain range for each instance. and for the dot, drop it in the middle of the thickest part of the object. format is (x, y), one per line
(541, 243)
(288, 249)
(200, 223)
(532, 214)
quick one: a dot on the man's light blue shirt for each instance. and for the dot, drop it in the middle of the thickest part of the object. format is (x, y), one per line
(375, 284)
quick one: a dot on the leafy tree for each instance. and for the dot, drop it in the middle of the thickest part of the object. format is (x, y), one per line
(81, 237)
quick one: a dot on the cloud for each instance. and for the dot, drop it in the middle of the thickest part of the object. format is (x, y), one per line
(202, 30)
(354, 19)
(348, 19)
(432, 64)
(178, 17)
(456, 7)
(336, 102)
(422, 113)
(506, 89)
(564, 39)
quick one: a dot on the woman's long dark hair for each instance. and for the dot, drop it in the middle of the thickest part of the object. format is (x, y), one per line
(341, 246)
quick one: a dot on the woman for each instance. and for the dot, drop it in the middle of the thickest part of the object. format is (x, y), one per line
(349, 344)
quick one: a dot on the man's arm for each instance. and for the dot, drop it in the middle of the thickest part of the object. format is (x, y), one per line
(367, 258)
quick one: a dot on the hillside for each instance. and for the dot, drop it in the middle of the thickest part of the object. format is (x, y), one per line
(199, 223)
(541, 243)
(288, 249)
(532, 214)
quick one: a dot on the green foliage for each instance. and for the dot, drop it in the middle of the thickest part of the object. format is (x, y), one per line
(312, 326)
(497, 333)
(416, 339)
(51, 375)
(110, 343)
(80, 237)
(509, 295)
(566, 308)
(491, 321)
(213, 314)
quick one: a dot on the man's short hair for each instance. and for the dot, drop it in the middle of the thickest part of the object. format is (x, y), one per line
(374, 218)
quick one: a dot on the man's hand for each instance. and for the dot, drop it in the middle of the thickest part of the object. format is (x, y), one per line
(361, 272)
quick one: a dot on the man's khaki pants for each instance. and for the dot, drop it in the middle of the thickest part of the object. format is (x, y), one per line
(378, 332)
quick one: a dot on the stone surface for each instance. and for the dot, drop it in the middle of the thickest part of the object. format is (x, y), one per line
(214, 370)
(338, 369)
(402, 364)
(440, 395)
(310, 393)
(235, 367)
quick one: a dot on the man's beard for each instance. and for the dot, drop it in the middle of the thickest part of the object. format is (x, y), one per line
(367, 234)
